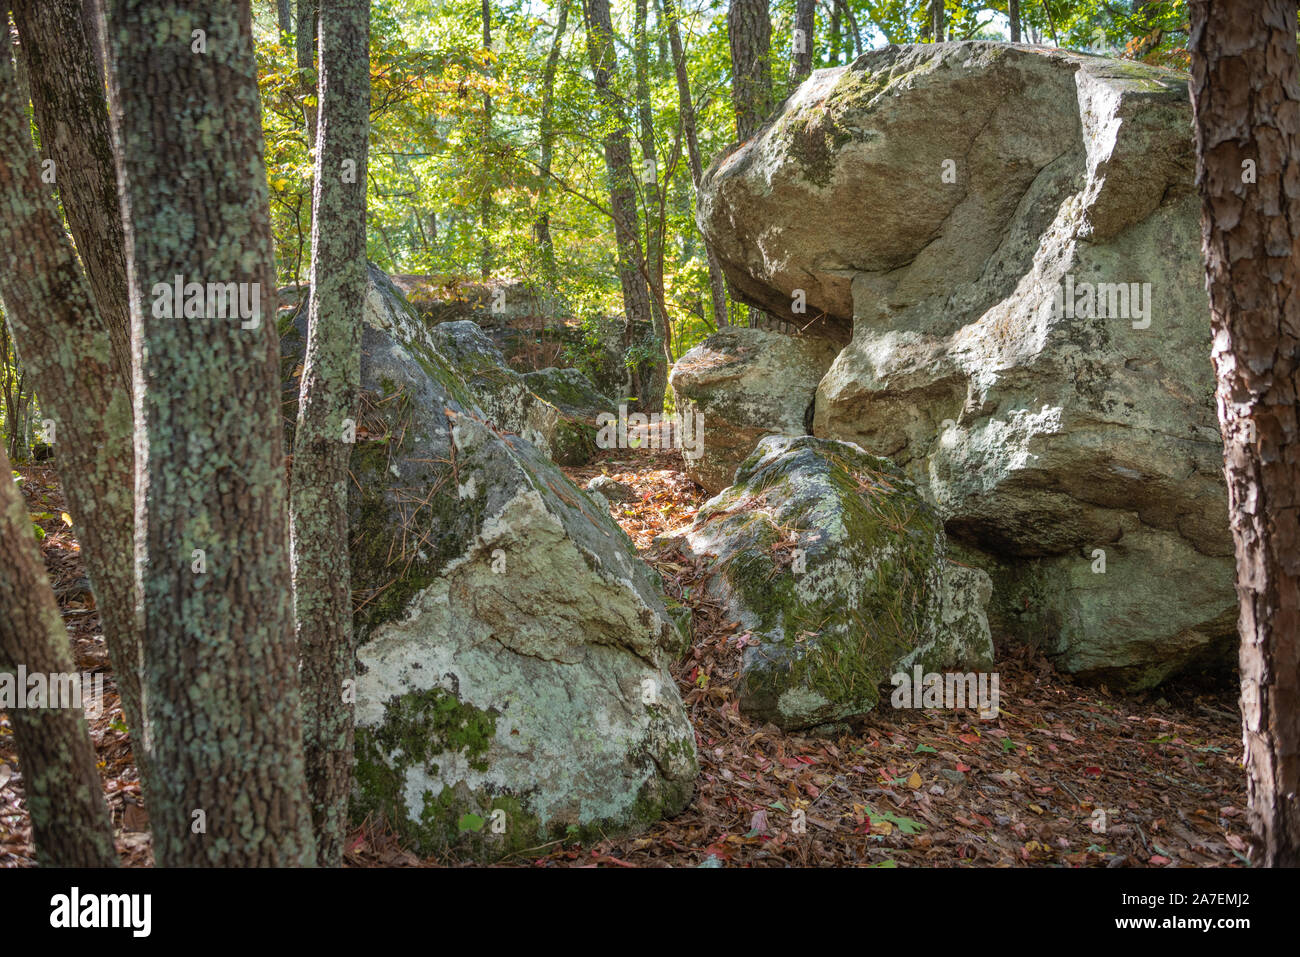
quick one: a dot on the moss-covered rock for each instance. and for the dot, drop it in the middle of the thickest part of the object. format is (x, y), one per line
(555, 409)
(837, 569)
(513, 683)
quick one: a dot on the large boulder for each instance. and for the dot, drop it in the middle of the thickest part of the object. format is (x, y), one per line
(513, 656)
(838, 570)
(746, 384)
(1030, 336)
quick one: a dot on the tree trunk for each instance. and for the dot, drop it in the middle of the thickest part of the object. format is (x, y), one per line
(485, 195)
(654, 239)
(835, 37)
(308, 22)
(717, 283)
(61, 785)
(327, 410)
(284, 21)
(805, 21)
(936, 20)
(749, 30)
(71, 112)
(622, 191)
(1246, 104)
(211, 504)
(1013, 15)
(66, 347)
(546, 128)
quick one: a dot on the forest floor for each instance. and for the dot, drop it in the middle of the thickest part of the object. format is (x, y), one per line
(909, 788)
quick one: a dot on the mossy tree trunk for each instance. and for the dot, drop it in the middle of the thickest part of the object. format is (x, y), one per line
(65, 798)
(686, 107)
(327, 409)
(66, 348)
(67, 91)
(622, 192)
(212, 543)
(1246, 106)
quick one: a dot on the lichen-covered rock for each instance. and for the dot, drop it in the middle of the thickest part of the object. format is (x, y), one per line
(837, 568)
(533, 329)
(555, 409)
(1030, 332)
(747, 383)
(579, 407)
(513, 681)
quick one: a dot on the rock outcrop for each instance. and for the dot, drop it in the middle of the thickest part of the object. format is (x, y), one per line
(513, 684)
(555, 409)
(1007, 239)
(838, 571)
(746, 384)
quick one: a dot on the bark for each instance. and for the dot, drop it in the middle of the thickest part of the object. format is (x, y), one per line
(67, 91)
(61, 784)
(546, 127)
(936, 20)
(284, 21)
(1013, 15)
(1246, 107)
(485, 195)
(835, 38)
(308, 22)
(211, 503)
(749, 29)
(622, 188)
(327, 402)
(66, 347)
(654, 198)
(717, 284)
(805, 21)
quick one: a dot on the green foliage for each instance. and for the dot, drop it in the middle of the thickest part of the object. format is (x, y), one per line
(456, 124)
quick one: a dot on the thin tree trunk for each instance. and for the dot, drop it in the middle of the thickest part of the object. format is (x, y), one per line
(65, 345)
(936, 20)
(546, 128)
(749, 31)
(622, 189)
(1013, 15)
(654, 246)
(212, 543)
(836, 20)
(71, 112)
(308, 22)
(717, 283)
(485, 195)
(805, 22)
(327, 409)
(284, 21)
(64, 795)
(1246, 103)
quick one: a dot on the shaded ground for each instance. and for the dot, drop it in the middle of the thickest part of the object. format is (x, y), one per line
(909, 788)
